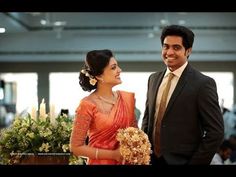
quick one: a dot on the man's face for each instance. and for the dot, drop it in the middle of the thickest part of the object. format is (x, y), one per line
(174, 54)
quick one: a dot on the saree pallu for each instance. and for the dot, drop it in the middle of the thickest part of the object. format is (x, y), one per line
(122, 116)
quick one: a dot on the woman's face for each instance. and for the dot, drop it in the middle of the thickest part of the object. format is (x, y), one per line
(111, 74)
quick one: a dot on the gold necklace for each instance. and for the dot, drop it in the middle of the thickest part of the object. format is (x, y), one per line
(113, 101)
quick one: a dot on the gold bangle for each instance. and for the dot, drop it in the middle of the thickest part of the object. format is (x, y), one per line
(96, 154)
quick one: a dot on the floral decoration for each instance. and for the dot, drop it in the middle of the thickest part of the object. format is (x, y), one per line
(27, 136)
(92, 79)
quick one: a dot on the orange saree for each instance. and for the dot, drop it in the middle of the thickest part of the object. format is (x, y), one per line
(101, 128)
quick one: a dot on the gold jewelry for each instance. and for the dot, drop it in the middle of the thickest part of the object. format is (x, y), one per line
(113, 101)
(96, 154)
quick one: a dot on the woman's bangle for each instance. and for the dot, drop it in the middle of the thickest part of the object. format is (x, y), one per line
(96, 154)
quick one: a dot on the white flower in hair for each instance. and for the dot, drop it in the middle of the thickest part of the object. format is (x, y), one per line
(83, 71)
(92, 81)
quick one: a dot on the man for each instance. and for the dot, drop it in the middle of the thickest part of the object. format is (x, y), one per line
(190, 129)
(230, 123)
(223, 154)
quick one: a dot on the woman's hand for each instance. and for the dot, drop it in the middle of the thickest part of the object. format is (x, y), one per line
(117, 155)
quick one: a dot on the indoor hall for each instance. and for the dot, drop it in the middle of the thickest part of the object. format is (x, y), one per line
(42, 54)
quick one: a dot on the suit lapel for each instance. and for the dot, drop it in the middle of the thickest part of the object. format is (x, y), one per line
(154, 86)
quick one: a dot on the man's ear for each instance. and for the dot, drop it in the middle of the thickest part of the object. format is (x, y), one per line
(189, 51)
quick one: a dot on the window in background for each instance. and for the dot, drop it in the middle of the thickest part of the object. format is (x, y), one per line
(225, 87)
(136, 82)
(20, 91)
(66, 92)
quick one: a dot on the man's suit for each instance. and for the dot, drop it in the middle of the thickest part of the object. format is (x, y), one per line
(192, 126)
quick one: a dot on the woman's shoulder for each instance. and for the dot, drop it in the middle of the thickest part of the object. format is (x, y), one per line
(123, 92)
(126, 94)
(87, 102)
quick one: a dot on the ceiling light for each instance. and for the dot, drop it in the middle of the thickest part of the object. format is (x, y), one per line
(2, 30)
(43, 22)
(34, 13)
(164, 22)
(59, 23)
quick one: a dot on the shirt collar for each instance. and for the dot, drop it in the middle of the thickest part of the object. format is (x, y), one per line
(178, 71)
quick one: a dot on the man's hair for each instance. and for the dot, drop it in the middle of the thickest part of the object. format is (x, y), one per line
(177, 30)
(226, 145)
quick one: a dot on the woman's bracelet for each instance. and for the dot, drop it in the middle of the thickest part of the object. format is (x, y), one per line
(96, 153)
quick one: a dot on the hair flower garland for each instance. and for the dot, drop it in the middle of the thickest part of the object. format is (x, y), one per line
(134, 146)
(92, 79)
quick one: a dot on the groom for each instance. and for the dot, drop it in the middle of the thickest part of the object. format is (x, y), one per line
(191, 129)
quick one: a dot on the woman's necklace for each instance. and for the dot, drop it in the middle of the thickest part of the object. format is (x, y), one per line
(112, 101)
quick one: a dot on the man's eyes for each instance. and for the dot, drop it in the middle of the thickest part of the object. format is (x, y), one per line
(174, 47)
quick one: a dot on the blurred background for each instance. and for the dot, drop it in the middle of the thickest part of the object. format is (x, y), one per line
(42, 53)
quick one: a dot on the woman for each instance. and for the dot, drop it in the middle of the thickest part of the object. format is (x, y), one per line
(103, 112)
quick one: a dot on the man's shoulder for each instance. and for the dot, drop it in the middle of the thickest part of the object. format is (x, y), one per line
(198, 74)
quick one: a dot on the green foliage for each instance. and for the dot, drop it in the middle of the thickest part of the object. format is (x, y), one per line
(28, 136)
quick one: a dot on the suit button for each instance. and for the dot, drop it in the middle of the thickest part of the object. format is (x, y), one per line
(163, 126)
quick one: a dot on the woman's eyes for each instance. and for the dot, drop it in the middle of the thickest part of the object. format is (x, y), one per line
(113, 67)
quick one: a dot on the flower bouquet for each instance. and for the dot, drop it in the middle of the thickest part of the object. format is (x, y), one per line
(134, 146)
